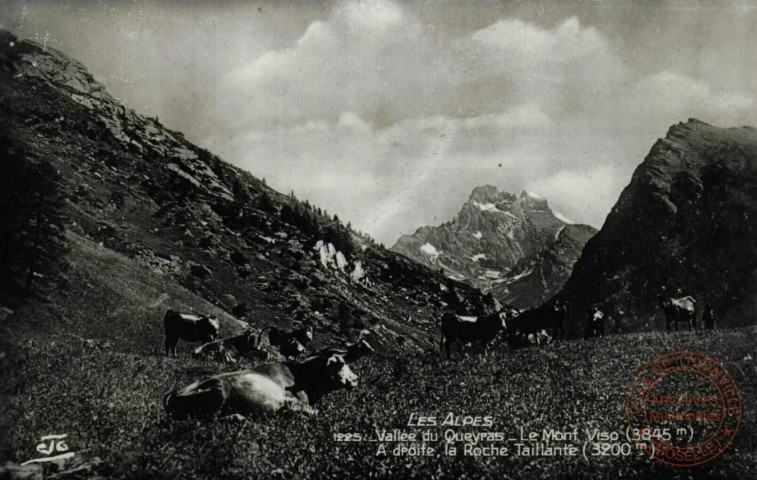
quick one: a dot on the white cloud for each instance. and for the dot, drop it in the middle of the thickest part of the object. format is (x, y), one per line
(350, 121)
(577, 193)
(388, 114)
(513, 44)
(670, 93)
(390, 123)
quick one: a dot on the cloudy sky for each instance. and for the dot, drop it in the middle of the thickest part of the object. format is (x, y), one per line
(390, 113)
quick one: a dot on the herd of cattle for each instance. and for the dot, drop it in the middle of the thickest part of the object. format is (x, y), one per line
(520, 329)
(531, 327)
(291, 382)
(294, 382)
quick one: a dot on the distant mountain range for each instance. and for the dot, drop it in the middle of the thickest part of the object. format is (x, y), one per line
(512, 246)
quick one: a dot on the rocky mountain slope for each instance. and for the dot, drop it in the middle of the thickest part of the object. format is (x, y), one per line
(152, 222)
(512, 246)
(685, 224)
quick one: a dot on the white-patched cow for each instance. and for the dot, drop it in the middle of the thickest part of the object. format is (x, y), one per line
(291, 348)
(482, 329)
(190, 328)
(263, 389)
(681, 309)
(595, 323)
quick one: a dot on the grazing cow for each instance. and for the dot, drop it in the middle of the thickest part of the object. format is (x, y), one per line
(190, 328)
(266, 388)
(679, 310)
(482, 329)
(595, 323)
(545, 318)
(352, 352)
(708, 317)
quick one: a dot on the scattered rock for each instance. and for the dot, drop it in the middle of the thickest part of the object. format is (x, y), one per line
(228, 300)
(238, 257)
(207, 241)
(244, 272)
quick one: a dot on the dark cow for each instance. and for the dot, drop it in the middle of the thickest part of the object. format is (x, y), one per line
(549, 317)
(708, 317)
(352, 352)
(482, 329)
(557, 316)
(539, 338)
(266, 388)
(595, 323)
(517, 339)
(190, 328)
(681, 309)
(228, 349)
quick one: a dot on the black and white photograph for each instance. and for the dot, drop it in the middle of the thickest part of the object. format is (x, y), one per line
(380, 239)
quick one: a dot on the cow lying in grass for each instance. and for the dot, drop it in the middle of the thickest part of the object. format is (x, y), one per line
(266, 388)
(190, 328)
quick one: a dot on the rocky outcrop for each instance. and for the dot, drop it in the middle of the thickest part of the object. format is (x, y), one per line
(512, 246)
(686, 224)
(71, 78)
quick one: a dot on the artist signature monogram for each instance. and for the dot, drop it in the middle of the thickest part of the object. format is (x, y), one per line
(52, 444)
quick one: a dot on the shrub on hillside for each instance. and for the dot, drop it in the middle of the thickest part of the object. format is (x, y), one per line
(31, 220)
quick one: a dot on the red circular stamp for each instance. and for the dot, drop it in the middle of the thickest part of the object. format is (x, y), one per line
(683, 409)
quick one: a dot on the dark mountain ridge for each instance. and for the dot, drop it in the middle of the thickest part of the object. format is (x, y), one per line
(685, 225)
(141, 198)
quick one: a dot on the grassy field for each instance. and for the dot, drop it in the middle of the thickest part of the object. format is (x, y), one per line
(106, 395)
(109, 404)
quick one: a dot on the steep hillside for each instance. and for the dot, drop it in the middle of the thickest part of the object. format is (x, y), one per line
(513, 247)
(143, 206)
(687, 223)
